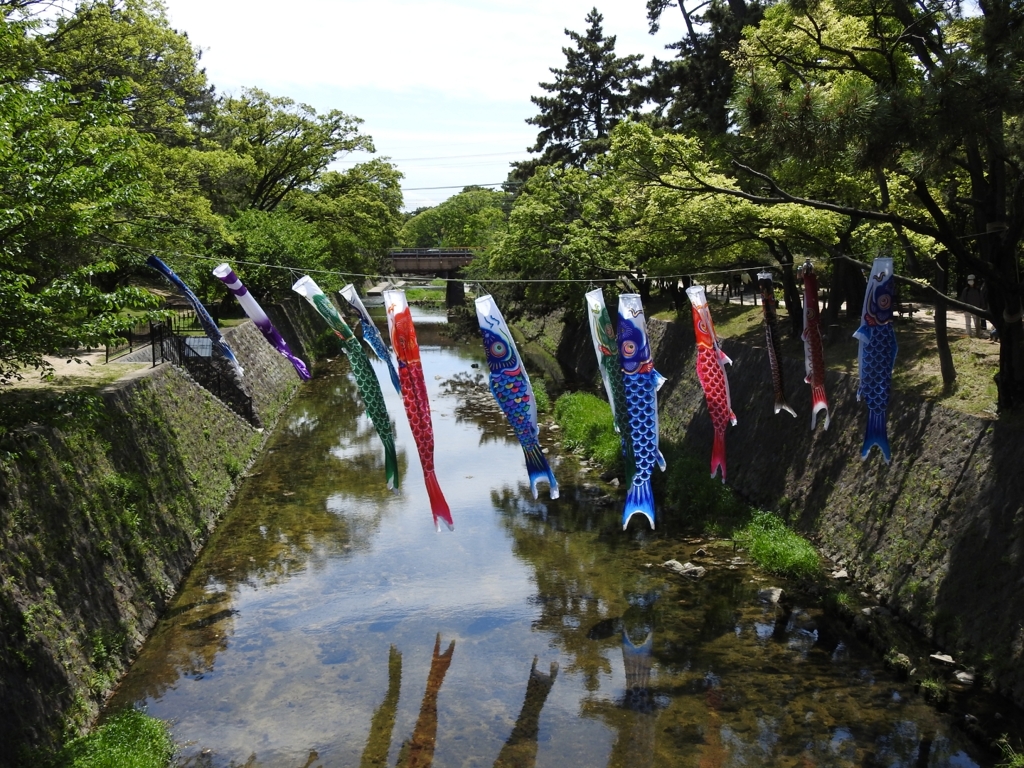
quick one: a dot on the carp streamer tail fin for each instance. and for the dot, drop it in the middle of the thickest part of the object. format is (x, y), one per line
(538, 469)
(718, 454)
(639, 501)
(782, 405)
(390, 463)
(819, 403)
(394, 375)
(875, 434)
(438, 505)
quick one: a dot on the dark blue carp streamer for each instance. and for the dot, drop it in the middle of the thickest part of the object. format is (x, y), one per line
(511, 388)
(877, 356)
(210, 327)
(641, 383)
(370, 333)
(259, 318)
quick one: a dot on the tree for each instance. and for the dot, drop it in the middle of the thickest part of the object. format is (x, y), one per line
(692, 91)
(285, 147)
(470, 219)
(357, 211)
(130, 43)
(590, 96)
(69, 185)
(921, 104)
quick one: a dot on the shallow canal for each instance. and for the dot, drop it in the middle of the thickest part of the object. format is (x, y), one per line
(327, 624)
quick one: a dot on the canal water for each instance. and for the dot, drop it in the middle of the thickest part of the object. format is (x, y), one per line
(328, 624)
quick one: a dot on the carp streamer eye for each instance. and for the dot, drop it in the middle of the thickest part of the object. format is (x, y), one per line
(629, 348)
(498, 349)
(608, 330)
(884, 301)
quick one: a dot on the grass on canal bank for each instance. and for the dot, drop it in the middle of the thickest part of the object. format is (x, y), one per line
(132, 739)
(704, 503)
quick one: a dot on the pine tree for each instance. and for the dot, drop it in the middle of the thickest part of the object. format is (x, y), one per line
(691, 92)
(591, 95)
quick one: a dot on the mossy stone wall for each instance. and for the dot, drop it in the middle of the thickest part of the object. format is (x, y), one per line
(100, 521)
(938, 534)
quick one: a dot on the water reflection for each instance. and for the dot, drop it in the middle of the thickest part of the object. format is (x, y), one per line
(322, 593)
(520, 749)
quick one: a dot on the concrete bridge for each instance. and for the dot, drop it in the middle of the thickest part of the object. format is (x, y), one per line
(440, 262)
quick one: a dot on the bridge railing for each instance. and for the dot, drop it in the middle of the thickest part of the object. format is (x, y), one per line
(432, 252)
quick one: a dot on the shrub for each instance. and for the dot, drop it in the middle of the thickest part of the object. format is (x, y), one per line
(776, 548)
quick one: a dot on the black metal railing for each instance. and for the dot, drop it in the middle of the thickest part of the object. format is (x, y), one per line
(205, 364)
(128, 341)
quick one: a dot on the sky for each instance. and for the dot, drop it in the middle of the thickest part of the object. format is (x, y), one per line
(443, 86)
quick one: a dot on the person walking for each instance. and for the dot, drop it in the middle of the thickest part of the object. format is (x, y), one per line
(974, 295)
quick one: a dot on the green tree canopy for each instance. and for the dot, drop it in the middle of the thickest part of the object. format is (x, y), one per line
(470, 219)
(286, 146)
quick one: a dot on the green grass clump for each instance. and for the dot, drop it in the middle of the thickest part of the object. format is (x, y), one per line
(588, 427)
(540, 394)
(131, 739)
(1011, 757)
(777, 549)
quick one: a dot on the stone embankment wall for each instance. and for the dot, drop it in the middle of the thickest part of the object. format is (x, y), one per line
(101, 519)
(938, 534)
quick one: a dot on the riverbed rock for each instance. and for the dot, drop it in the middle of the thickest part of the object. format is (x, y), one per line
(685, 569)
(770, 595)
(943, 658)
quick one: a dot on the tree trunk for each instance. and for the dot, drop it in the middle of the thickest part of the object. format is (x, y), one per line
(941, 337)
(790, 293)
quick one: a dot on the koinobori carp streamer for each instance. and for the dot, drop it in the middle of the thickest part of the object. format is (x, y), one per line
(209, 326)
(711, 362)
(814, 356)
(259, 317)
(877, 354)
(370, 333)
(771, 333)
(366, 380)
(414, 397)
(641, 384)
(602, 333)
(511, 387)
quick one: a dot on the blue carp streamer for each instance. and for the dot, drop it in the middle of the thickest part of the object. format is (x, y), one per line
(210, 327)
(511, 388)
(641, 383)
(370, 333)
(877, 354)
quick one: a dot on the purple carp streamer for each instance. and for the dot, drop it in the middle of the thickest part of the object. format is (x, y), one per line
(511, 387)
(259, 317)
(370, 333)
(771, 336)
(877, 355)
(210, 327)
(641, 384)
